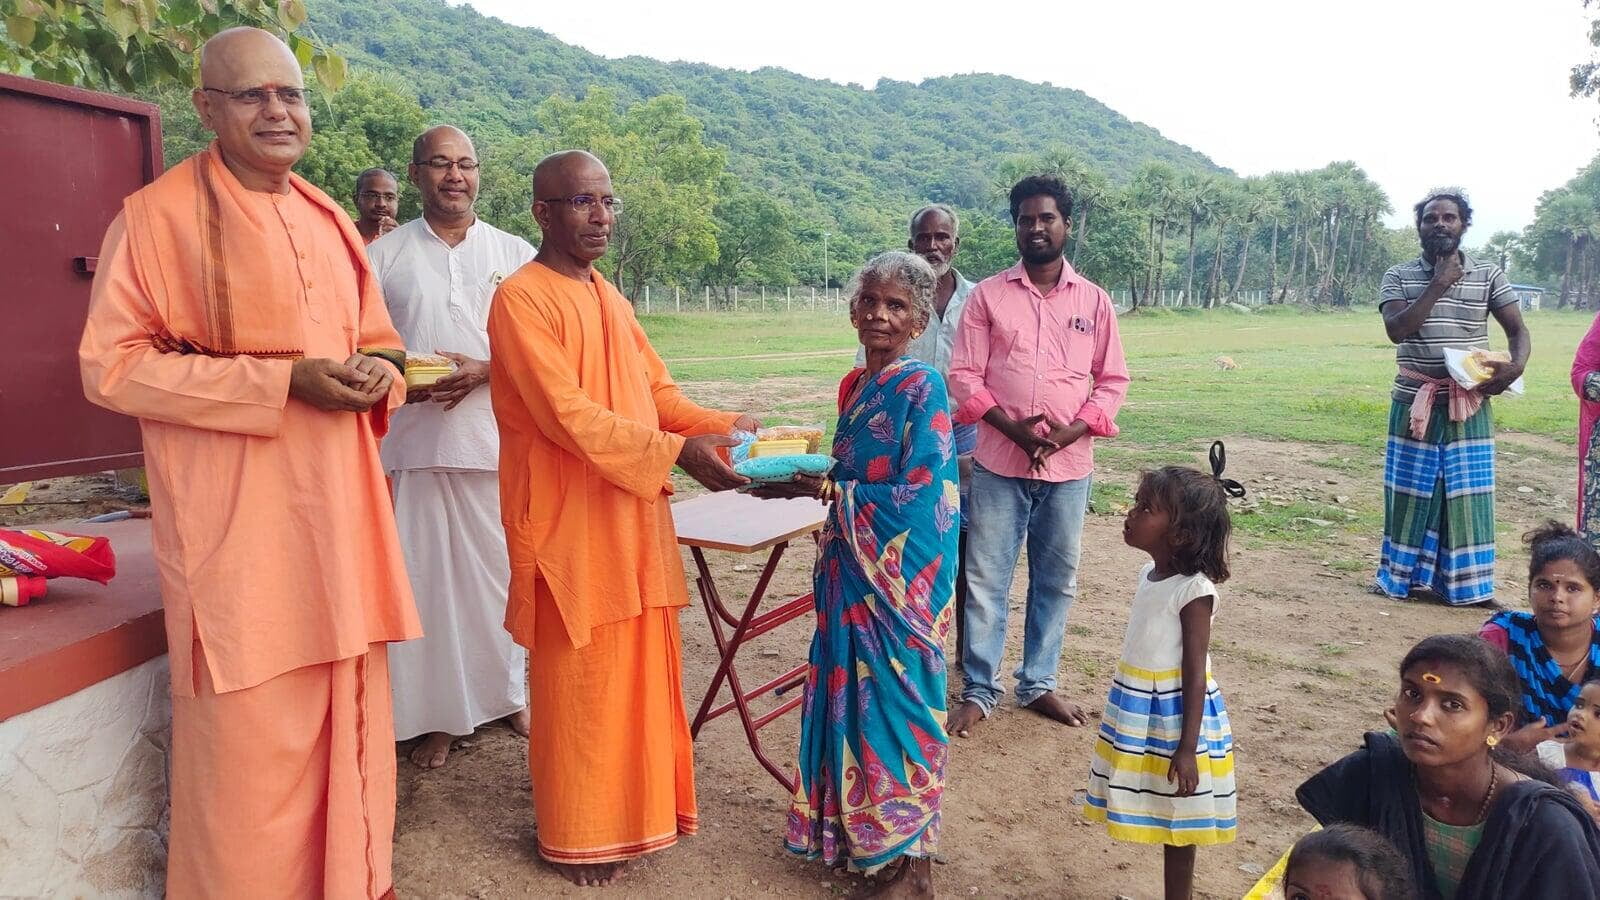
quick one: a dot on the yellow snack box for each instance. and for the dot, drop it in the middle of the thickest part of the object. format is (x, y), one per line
(778, 448)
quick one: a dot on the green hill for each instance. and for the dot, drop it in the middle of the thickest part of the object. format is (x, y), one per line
(842, 145)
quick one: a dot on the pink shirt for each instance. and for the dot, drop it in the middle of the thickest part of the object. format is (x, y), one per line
(1056, 353)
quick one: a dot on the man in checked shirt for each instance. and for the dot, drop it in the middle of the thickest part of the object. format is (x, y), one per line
(1039, 363)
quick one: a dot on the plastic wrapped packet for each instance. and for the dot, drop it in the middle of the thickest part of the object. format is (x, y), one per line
(811, 434)
(782, 469)
(740, 452)
(1467, 369)
(424, 371)
(49, 554)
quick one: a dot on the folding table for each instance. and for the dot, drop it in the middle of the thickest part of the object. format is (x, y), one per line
(737, 523)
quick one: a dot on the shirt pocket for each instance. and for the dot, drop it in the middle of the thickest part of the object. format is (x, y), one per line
(1072, 340)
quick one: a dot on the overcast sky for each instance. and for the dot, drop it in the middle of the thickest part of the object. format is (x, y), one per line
(1469, 92)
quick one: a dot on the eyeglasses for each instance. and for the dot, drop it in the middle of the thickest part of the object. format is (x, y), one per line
(374, 197)
(440, 164)
(585, 202)
(290, 96)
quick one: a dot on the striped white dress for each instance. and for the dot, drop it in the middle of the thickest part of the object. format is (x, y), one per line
(1139, 731)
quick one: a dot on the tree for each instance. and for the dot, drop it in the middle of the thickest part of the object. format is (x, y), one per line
(1256, 203)
(1154, 191)
(1196, 197)
(1500, 247)
(132, 45)
(755, 238)
(1118, 251)
(663, 171)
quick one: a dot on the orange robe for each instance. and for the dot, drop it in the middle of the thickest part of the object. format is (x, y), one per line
(591, 425)
(281, 572)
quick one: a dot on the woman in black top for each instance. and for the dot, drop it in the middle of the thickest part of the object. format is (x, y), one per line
(1470, 825)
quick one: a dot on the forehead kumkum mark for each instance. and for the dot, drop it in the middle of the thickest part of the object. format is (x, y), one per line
(1431, 678)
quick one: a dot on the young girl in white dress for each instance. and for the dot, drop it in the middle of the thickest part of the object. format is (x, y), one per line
(1162, 771)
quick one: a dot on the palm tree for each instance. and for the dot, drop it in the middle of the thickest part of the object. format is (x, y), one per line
(1575, 218)
(1226, 208)
(1257, 203)
(1500, 247)
(1196, 193)
(1152, 190)
(1298, 196)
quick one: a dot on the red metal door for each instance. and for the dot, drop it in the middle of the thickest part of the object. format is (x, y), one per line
(71, 156)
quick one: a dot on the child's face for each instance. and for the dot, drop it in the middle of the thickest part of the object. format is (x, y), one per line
(1561, 595)
(1441, 717)
(1322, 879)
(1583, 720)
(1146, 526)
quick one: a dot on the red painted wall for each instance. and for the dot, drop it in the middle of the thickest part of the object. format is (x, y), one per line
(69, 156)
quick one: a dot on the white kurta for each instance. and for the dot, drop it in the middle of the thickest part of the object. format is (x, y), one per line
(465, 670)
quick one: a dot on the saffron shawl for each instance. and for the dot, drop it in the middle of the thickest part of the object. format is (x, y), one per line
(195, 238)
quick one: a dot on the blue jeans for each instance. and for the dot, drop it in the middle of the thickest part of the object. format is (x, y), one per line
(1004, 510)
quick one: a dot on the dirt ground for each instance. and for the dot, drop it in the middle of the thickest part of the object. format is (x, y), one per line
(1304, 656)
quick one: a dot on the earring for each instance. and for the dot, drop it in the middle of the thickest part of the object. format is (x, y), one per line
(1492, 741)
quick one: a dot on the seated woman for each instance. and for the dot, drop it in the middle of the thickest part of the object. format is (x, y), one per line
(1469, 825)
(1556, 647)
(872, 736)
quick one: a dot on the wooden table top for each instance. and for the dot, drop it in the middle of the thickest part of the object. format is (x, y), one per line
(739, 523)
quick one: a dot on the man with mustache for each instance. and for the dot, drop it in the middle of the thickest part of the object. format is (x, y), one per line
(1438, 485)
(1039, 362)
(591, 426)
(439, 273)
(377, 201)
(235, 314)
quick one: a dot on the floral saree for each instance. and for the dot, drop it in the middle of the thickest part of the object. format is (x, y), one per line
(872, 738)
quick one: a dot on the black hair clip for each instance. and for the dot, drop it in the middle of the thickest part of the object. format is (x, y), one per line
(1219, 460)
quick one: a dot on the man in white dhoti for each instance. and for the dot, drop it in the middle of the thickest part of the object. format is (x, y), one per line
(439, 273)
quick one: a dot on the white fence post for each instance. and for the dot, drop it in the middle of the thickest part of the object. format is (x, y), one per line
(763, 298)
(736, 298)
(708, 298)
(647, 299)
(677, 298)
(813, 298)
(788, 300)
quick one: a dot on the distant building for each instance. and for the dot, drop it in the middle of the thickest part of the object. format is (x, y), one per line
(1527, 295)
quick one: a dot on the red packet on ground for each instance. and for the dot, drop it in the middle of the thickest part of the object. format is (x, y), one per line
(49, 554)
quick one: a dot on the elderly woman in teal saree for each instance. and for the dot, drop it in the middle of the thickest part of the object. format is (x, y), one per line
(872, 740)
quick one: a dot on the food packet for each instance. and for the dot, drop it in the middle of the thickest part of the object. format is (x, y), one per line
(50, 554)
(1467, 367)
(811, 434)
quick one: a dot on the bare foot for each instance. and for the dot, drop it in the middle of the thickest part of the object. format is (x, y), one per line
(432, 751)
(968, 714)
(1052, 707)
(597, 875)
(519, 721)
(913, 879)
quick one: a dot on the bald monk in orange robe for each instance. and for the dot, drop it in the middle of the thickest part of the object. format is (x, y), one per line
(591, 425)
(228, 312)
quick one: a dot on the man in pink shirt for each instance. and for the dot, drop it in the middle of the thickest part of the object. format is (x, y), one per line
(1039, 363)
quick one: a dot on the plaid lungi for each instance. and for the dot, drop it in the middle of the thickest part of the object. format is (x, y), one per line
(1438, 507)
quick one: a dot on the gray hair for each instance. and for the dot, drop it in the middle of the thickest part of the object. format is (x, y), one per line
(905, 269)
(943, 209)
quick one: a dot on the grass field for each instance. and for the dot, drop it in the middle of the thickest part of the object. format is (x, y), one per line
(1303, 376)
(1308, 377)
